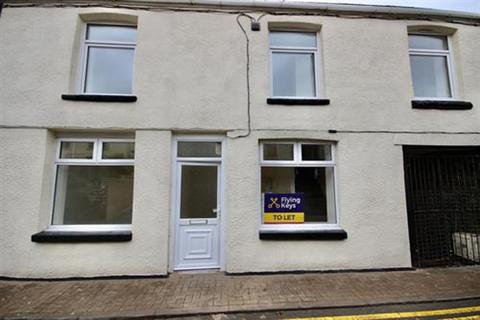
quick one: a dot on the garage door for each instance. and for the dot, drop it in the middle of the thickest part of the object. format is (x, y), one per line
(443, 202)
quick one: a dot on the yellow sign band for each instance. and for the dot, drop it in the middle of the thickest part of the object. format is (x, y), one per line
(283, 217)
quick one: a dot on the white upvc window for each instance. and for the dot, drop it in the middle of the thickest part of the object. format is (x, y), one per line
(431, 66)
(300, 168)
(93, 184)
(109, 52)
(294, 64)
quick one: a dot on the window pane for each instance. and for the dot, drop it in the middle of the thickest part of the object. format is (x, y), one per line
(293, 39)
(430, 76)
(427, 42)
(93, 195)
(111, 33)
(199, 192)
(293, 74)
(317, 184)
(109, 70)
(278, 151)
(199, 149)
(311, 152)
(76, 150)
(118, 150)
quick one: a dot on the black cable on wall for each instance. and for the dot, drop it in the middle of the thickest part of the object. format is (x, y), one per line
(247, 54)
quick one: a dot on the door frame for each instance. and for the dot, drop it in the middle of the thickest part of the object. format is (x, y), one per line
(175, 194)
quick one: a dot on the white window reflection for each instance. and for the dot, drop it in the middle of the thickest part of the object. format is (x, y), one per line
(293, 64)
(430, 66)
(109, 52)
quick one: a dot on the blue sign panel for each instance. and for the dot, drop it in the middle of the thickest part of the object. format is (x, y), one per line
(284, 202)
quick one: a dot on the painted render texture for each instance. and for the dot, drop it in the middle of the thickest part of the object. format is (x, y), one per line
(189, 77)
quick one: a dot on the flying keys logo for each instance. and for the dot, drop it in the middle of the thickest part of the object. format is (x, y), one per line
(283, 208)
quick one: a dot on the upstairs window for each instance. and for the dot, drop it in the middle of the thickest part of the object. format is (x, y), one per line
(109, 54)
(430, 64)
(294, 64)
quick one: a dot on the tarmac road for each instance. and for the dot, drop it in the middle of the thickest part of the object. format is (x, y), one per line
(459, 310)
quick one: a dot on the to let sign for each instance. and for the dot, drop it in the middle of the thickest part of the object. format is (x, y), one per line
(283, 208)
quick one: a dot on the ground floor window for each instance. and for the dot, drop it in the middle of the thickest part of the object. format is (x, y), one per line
(298, 183)
(93, 183)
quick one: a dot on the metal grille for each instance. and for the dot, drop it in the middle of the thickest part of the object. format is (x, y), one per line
(443, 200)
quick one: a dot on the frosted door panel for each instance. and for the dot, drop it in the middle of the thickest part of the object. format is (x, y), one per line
(199, 192)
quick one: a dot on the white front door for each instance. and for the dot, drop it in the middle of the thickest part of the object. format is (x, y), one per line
(197, 244)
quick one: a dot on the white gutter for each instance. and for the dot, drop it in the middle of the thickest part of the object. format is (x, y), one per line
(312, 5)
(279, 4)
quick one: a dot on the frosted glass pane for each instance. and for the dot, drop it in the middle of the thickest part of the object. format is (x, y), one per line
(427, 42)
(293, 39)
(76, 150)
(118, 150)
(199, 192)
(199, 149)
(293, 74)
(430, 76)
(280, 151)
(111, 33)
(109, 70)
(93, 195)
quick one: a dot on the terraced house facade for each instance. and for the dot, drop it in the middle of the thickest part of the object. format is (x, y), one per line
(147, 137)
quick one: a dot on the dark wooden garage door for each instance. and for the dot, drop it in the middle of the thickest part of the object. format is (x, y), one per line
(443, 201)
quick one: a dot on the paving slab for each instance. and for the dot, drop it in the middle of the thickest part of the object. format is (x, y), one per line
(208, 293)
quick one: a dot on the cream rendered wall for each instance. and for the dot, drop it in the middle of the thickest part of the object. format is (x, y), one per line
(190, 74)
(367, 78)
(371, 208)
(179, 73)
(27, 179)
(190, 78)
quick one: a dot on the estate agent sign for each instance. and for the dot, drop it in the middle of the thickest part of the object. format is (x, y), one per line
(283, 208)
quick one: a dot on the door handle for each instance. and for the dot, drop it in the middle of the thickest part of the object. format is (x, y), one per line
(217, 211)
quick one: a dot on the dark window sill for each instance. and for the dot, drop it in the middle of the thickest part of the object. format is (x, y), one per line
(293, 101)
(99, 97)
(82, 236)
(337, 234)
(441, 104)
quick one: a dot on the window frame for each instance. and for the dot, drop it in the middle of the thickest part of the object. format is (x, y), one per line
(285, 49)
(86, 44)
(298, 162)
(95, 161)
(435, 53)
